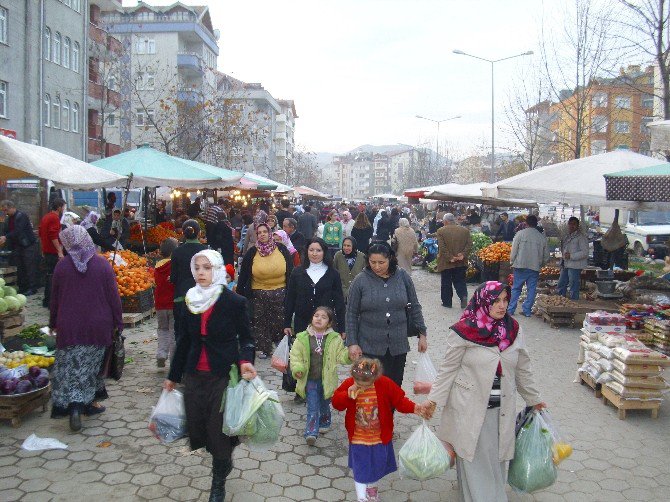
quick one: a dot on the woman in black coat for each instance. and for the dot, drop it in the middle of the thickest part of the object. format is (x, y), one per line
(362, 232)
(384, 228)
(223, 239)
(317, 284)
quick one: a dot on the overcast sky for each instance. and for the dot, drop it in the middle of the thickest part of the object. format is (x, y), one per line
(360, 70)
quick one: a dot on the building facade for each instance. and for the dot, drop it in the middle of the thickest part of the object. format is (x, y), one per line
(43, 73)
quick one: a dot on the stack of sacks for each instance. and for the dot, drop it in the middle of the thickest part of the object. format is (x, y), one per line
(636, 373)
(600, 328)
(659, 329)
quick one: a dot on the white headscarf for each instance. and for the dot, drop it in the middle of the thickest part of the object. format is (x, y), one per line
(199, 299)
(90, 220)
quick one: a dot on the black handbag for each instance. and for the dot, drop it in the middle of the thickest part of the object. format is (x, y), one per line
(288, 383)
(412, 329)
(118, 356)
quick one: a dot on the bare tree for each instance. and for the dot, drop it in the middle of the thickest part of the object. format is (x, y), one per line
(572, 58)
(301, 168)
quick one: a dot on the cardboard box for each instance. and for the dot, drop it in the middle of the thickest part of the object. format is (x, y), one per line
(599, 328)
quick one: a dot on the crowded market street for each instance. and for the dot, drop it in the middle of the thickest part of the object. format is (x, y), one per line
(115, 457)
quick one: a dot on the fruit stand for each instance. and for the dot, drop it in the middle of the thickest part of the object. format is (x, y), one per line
(11, 311)
(24, 384)
(135, 282)
(493, 261)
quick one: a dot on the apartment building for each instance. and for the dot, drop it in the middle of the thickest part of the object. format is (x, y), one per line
(356, 175)
(170, 61)
(43, 92)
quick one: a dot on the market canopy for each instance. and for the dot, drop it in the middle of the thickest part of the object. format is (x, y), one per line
(22, 160)
(575, 182)
(649, 184)
(150, 167)
(307, 192)
(469, 193)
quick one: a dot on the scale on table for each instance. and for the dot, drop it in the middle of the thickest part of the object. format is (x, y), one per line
(606, 285)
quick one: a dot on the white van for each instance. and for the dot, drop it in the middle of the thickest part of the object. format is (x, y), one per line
(648, 231)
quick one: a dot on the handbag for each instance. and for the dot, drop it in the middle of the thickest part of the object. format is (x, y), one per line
(118, 356)
(412, 329)
(288, 383)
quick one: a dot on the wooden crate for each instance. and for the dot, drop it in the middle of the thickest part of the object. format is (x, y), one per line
(624, 405)
(9, 275)
(11, 324)
(130, 320)
(586, 379)
(13, 408)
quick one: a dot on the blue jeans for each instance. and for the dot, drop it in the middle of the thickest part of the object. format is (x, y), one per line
(570, 277)
(529, 278)
(318, 408)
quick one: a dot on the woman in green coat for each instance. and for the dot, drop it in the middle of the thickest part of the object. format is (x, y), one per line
(349, 262)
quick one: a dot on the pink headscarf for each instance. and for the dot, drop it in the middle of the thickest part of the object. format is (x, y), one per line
(286, 240)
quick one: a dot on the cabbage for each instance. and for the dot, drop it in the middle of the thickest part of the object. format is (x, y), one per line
(2, 291)
(3, 305)
(22, 300)
(532, 467)
(8, 385)
(423, 456)
(12, 303)
(9, 291)
(269, 421)
(2, 283)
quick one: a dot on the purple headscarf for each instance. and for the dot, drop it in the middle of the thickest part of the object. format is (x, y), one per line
(79, 246)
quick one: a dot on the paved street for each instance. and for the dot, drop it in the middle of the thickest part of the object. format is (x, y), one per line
(116, 458)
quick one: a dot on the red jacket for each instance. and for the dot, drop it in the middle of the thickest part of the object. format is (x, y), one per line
(389, 396)
(49, 230)
(164, 292)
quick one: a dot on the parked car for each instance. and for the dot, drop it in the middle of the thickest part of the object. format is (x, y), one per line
(648, 232)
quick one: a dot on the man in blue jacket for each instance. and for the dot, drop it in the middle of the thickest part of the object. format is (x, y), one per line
(19, 237)
(506, 229)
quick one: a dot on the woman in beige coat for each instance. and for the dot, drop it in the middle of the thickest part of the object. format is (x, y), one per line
(349, 262)
(486, 363)
(404, 244)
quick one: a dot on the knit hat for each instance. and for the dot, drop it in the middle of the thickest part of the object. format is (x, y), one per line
(230, 269)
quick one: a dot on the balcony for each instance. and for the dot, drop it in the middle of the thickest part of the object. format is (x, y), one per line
(190, 96)
(97, 35)
(190, 64)
(94, 131)
(98, 91)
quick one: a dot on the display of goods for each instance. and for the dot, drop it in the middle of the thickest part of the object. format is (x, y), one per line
(650, 370)
(642, 382)
(545, 271)
(159, 233)
(19, 357)
(133, 280)
(634, 392)
(130, 259)
(600, 328)
(11, 384)
(587, 336)
(637, 309)
(471, 272)
(479, 241)
(167, 225)
(602, 318)
(641, 356)
(555, 301)
(496, 252)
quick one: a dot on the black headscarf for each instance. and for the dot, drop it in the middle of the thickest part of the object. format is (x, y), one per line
(351, 257)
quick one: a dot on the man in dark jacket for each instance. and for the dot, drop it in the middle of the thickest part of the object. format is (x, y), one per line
(307, 223)
(297, 239)
(283, 213)
(19, 237)
(506, 229)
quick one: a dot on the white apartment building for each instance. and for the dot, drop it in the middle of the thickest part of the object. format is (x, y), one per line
(171, 52)
(356, 175)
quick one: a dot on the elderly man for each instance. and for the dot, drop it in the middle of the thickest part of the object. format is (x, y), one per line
(454, 243)
(575, 252)
(19, 238)
(529, 253)
(298, 240)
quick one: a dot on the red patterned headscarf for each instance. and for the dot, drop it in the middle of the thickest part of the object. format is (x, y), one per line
(476, 324)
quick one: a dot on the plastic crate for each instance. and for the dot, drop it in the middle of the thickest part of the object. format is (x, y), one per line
(139, 302)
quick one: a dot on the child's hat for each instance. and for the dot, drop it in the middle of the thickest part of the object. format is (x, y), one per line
(230, 269)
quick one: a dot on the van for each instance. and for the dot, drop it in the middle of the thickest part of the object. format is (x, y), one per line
(648, 231)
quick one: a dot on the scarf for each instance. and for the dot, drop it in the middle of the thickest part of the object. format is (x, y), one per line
(351, 257)
(199, 298)
(79, 246)
(287, 241)
(260, 218)
(265, 249)
(476, 324)
(91, 220)
(316, 271)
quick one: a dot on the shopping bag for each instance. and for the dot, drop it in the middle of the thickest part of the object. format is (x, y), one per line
(168, 418)
(288, 383)
(242, 402)
(560, 448)
(425, 374)
(269, 421)
(532, 467)
(423, 456)
(280, 356)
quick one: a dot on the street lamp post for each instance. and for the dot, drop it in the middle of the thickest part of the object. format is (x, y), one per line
(437, 139)
(493, 132)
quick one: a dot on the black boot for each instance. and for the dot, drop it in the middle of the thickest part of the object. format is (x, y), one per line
(220, 470)
(75, 416)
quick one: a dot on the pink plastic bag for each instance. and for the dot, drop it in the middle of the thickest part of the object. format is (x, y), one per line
(280, 356)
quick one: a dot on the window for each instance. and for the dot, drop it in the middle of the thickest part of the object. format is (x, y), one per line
(47, 44)
(599, 100)
(111, 120)
(144, 117)
(146, 81)
(56, 49)
(647, 101)
(145, 46)
(67, 44)
(599, 124)
(46, 110)
(644, 129)
(622, 102)
(75, 117)
(56, 113)
(622, 126)
(66, 115)
(598, 146)
(111, 83)
(3, 25)
(75, 57)
(76, 5)
(3, 98)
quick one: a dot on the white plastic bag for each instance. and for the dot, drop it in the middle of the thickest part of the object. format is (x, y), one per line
(34, 443)
(280, 356)
(425, 374)
(242, 402)
(168, 418)
(423, 456)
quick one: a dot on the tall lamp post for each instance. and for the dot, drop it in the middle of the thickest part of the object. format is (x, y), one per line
(493, 133)
(437, 139)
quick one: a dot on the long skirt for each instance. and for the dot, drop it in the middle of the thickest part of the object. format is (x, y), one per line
(484, 479)
(268, 317)
(76, 377)
(371, 463)
(203, 392)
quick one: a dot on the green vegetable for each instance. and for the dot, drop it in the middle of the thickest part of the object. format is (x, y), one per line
(269, 421)
(32, 331)
(423, 456)
(532, 467)
(479, 241)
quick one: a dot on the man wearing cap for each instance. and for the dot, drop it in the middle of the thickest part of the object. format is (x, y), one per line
(454, 243)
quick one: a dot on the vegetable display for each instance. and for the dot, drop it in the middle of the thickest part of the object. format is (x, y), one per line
(496, 252)
(10, 384)
(18, 358)
(479, 241)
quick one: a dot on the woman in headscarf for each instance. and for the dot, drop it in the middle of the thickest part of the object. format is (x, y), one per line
(81, 278)
(263, 277)
(486, 362)
(349, 262)
(347, 224)
(89, 223)
(362, 232)
(260, 218)
(404, 244)
(217, 336)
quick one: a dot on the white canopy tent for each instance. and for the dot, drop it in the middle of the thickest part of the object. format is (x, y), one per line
(472, 193)
(22, 160)
(575, 182)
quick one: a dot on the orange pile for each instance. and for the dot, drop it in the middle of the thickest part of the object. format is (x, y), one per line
(133, 280)
(159, 233)
(496, 252)
(133, 260)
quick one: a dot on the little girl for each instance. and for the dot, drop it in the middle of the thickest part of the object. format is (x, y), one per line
(314, 357)
(369, 399)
